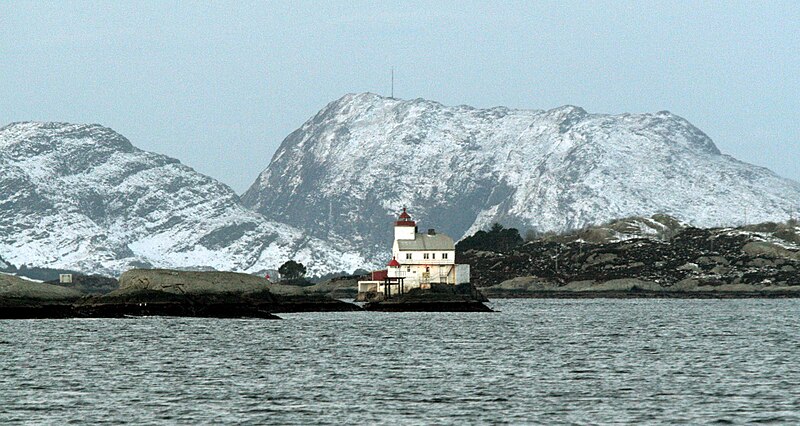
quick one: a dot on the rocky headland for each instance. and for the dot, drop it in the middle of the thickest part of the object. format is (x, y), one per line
(645, 257)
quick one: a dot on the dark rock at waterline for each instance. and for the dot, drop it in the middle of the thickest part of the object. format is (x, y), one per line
(139, 303)
(311, 303)
(41, 311)
(146, 302)
(427, 306)
(439, 298)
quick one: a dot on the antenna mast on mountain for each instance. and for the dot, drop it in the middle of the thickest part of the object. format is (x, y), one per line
(392, 92)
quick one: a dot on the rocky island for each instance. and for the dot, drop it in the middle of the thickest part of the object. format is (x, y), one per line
(160, 292)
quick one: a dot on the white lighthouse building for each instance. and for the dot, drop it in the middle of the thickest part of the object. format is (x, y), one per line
(418, 260)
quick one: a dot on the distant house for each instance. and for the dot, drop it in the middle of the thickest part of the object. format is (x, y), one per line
(418, 260)
(65, 278)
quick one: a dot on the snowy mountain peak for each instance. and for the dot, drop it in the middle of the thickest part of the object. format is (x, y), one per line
(82, 197)
(46, 135)
(568, 111)
(344, 173)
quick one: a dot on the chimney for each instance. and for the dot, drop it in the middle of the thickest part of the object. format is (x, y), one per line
(431, 231)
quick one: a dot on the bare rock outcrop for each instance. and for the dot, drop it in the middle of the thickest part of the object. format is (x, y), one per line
(190, 282)
(208, 293)
(15, 288)
(753, 261)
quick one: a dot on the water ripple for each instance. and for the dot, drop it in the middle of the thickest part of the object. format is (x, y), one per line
(535, 361)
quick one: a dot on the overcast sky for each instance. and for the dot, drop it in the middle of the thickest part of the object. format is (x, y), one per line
(219, 85)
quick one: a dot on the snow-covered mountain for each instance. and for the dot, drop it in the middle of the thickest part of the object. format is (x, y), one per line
(82, 197)
(346, 172)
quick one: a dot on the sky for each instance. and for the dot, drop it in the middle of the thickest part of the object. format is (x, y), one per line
(220, 85)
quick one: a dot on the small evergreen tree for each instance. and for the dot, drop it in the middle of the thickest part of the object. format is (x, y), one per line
(498, 239)
(292, 270)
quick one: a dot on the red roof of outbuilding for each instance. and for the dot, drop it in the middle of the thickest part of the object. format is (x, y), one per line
(393, 263)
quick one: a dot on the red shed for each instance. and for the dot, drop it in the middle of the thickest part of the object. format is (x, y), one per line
(379, 275)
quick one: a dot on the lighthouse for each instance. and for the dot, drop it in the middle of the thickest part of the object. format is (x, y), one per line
(419, 260)
(404, 227)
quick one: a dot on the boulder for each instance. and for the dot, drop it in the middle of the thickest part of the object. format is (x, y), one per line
(691, 267)
(712, 260)
(577, 285)
(518, 286)
(688, 284)
(369, 296)
(766, 249)
(624, 284)
(720, 270)
(601, 258)
(760, 262)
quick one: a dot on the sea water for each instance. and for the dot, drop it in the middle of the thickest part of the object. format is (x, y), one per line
(532, 362)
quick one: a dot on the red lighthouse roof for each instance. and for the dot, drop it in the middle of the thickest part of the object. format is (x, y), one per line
(405, 219)
(393, 263)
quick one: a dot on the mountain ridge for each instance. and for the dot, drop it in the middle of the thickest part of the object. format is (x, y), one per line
(350, 167)
(81, 196)
(76, 196)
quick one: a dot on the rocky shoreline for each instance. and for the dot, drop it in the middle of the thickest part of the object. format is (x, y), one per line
(677, 262)
(756, 261)
(646, 294)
